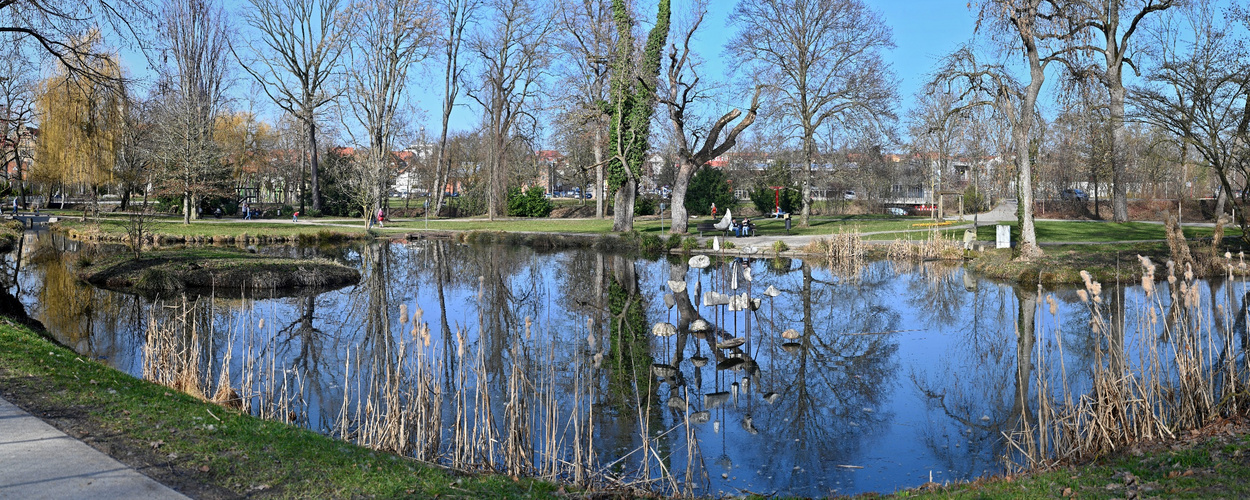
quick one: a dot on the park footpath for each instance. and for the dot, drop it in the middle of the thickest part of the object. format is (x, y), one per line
(1004, 212)
(38, 461)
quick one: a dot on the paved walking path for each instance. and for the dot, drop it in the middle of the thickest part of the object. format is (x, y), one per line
(38, 461)
(1004, 212)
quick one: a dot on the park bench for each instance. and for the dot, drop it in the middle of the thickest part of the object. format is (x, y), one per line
(709, 227)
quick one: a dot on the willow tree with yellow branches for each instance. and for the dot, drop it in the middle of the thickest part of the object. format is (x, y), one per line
(80, 120)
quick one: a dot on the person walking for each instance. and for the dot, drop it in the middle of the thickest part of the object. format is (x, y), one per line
(380, 217)
(14, 205)
(295, 216)
(247, 211)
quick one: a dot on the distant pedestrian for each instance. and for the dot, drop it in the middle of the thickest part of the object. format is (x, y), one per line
(295, 216)
(713, 210)
(380, 217)
(14, 205)
(247, 212)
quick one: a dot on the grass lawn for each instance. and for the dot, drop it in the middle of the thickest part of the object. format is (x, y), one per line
(1080, 231)
(210, 451)
(1211, 463)
(213, 227)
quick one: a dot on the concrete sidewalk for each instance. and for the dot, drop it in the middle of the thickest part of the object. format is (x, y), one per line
(38, 461)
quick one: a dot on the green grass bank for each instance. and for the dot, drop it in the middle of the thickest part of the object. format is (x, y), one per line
(169, 270)
(208, 451)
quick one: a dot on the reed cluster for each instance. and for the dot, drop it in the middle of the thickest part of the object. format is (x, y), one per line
(1169, 369)
(933, 247)
(416, 396)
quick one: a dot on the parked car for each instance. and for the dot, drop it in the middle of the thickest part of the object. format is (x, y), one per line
(895, 211)
(1073, 195)
(848, 195)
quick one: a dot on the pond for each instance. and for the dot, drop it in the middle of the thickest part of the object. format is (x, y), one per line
(883, 377)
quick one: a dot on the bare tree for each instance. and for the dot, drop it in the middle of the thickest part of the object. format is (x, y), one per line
(822, 61)
(17, 109)
(1114, 23)
(54, 27)
(1043, 33)
(937, 125)
(391, 36)
(586, 42)
(300, 43)
(192, 94)
(683, 93)
(513, 53)
(456, 17)
(1202, 97)
(134, 149)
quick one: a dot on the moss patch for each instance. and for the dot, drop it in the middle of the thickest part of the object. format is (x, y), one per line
(220, 269)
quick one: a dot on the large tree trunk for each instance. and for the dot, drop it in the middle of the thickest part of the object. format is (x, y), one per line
(808, 160)
(623, 209)
(1029, 248)
(313, 165)
(1119, 196)
(598, 189)
(1024, 181)
(680, 184)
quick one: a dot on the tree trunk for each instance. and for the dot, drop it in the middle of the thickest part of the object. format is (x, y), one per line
(623, 209)
(808, 160)
(441, 172)
(598, 188)
(1024, 181)
(1119, 195)
(680, 184)
(1029, 248)
(313, 165)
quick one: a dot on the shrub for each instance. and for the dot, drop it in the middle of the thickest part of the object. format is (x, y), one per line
(531, 203)
(709, 186)
(674, 241)
(651, 243)
(688, 244)
(780, 246)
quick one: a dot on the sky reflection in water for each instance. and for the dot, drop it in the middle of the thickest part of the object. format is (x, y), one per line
(902, 373)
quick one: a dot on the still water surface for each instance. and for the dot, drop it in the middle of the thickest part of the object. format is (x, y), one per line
(900, 374)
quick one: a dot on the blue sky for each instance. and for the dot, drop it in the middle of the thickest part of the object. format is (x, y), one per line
(924, 32)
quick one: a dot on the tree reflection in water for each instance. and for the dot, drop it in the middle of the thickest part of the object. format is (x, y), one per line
(545, 364)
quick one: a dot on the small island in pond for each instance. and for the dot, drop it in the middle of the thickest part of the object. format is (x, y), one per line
(223, 270)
